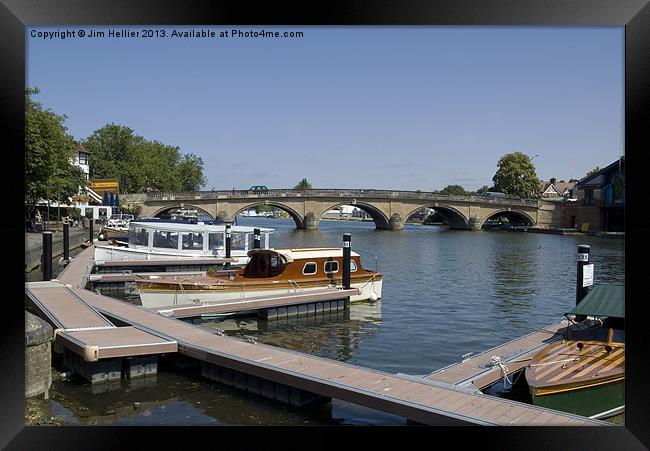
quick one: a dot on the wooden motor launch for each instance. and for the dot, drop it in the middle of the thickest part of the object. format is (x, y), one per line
(268, 272)
(585, 373)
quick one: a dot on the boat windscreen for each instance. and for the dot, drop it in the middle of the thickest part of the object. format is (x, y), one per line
(264, 265)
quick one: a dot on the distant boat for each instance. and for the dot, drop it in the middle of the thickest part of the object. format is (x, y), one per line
(163, 240)
(584, 374)
(117, 226)
(269, 272)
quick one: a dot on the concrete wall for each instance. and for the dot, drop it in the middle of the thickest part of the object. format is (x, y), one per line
(34, 250)
(38, 356)
(551, 214)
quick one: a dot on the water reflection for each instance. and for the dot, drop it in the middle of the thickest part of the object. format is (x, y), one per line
(335, 335)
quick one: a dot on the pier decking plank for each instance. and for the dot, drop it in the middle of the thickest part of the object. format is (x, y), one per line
(65, 310)
(519, 351)
(94, 344)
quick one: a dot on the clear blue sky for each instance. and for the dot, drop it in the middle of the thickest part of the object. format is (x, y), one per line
(357, 107)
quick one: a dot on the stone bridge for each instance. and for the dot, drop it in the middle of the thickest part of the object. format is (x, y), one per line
(389, 209)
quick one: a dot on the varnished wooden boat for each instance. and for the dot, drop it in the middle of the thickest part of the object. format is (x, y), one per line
(585, 373)
(582, 377)
(269, 272)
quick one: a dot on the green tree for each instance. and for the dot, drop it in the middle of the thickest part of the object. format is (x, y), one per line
(49, 155)
(303, 185)
(112, 155)
(117, 152)
(190, 172)
(516, 176)
(593, 171)
(453, 189)
(483, 189)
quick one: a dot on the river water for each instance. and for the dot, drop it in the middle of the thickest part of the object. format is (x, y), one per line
(445, 293)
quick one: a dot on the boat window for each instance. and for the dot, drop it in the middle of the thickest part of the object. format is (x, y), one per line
(215, 241)
(310, 268)
(331, 266)
(138, 237)
(166, 240)
(353, 266)
(238, 241)
(193, 241)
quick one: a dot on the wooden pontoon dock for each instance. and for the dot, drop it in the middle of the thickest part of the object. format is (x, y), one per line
(284, 375)
(480, 371)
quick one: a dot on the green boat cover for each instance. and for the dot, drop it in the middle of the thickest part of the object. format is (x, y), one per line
(603, 300)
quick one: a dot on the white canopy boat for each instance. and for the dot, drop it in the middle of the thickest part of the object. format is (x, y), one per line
(168, 240)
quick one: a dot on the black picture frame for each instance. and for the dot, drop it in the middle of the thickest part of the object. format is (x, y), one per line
(634, 15)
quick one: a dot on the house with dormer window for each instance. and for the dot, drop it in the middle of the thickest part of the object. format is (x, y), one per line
(557, 190)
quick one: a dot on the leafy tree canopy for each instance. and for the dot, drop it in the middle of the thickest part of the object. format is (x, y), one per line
(303, 184)
(593, 171)
(484, 189)
(516, 176)
(453, 189)
(49, 155)
(190, 173)
(140, 164)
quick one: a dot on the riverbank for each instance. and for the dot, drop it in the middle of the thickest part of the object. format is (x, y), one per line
(34, 245)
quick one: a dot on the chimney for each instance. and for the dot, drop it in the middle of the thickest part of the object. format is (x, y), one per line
(553, 181)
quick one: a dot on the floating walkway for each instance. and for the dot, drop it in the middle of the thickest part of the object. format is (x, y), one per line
(281, 374)
(482, 370)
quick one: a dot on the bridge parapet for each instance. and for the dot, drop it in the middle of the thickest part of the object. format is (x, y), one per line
(344, 193)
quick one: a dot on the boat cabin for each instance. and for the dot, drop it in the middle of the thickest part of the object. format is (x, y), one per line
(192, 238)
(299, 264)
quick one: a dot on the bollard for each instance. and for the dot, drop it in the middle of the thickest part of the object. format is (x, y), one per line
(90, 229)
(347, 238)
(47, 256)
(228, 243)
(66, 241)
(256, 235)
(582, 260)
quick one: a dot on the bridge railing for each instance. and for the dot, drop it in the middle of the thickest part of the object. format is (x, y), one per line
(353, 193)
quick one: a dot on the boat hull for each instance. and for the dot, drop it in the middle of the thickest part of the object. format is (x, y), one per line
(156, 299)
(586, 401)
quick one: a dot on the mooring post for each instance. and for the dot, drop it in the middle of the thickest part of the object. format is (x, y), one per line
(256, 235)
(228, 243)
(90, 229)
(66, 241)
(47, 255)
(581, 290)
(347, 238)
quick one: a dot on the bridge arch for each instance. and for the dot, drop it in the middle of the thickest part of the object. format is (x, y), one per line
(297, 218)
(179, 205)
(377, 215)
(516, 216)
(455, 219)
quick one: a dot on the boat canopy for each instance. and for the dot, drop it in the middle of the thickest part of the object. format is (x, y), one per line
(603, 300)
(194, 228)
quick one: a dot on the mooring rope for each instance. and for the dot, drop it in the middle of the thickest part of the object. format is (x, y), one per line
(495, 360)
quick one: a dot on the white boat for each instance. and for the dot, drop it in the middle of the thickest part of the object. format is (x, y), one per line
(269, 272)
(167, 240)
(116, 226)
